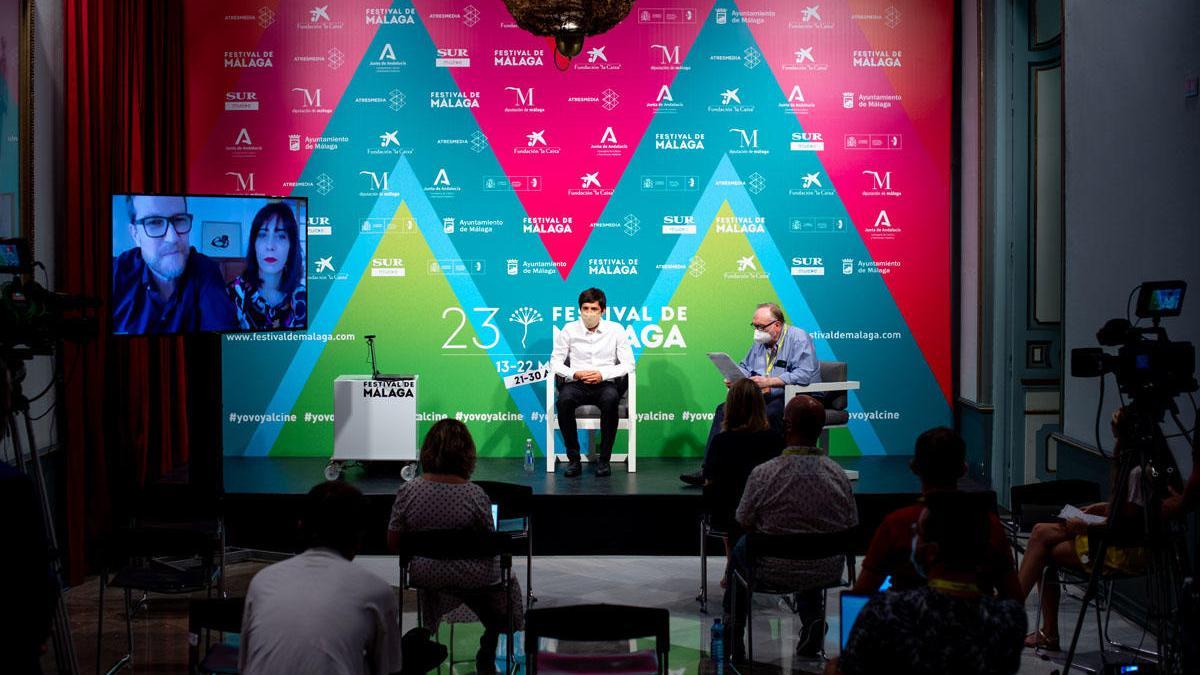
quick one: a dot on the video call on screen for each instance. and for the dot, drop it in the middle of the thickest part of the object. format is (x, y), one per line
(200, 263)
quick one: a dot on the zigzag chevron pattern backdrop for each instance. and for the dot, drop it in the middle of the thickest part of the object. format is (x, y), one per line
(697, 159)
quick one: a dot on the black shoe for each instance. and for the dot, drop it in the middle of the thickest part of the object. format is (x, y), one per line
(573, 470)
(603, 470)
(812, 639)
(696, 478)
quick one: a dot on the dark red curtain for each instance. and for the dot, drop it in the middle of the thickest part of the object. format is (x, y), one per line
(124, 403)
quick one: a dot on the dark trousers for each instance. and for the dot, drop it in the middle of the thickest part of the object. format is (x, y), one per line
(774, 418)
(809, 604)
(606, 396)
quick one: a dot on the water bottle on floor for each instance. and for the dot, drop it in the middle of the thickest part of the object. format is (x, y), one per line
(528, 455)
(716, 647)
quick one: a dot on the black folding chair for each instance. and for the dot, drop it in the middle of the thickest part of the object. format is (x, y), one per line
(153, 560)
(600, 623)
(797, 548)
(515, 502)
(1035, 503)
(223, 615)
(446, 545)
(709, 529)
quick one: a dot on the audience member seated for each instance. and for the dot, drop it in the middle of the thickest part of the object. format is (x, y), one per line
(1066, 545)
(318, 612)
(948, 625)
(443, 498)
(801, 491)
(939, 460)
(745, 441)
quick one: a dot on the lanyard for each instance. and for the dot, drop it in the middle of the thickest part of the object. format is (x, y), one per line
(778, 350)
(954, 586)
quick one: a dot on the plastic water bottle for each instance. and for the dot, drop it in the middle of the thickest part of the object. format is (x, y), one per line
(528, 455)
(716, 648)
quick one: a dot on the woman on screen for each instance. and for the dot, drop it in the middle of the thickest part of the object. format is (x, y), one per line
(270, 292)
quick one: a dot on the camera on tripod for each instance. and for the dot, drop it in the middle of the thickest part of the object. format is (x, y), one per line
(1147, 363)
(34, 319)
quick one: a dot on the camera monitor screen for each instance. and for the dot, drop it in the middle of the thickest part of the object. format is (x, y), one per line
(14, 256)
(1161, 299)
(200, 263)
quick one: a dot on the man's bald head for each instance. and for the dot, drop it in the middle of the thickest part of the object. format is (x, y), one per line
(803, 420)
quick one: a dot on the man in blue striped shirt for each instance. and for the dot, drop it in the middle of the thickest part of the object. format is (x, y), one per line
(781, 355)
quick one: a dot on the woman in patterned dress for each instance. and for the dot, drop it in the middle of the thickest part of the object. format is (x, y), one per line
(270, 292)
(444, 498)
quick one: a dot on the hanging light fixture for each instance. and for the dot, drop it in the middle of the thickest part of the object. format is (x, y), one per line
(568, 21)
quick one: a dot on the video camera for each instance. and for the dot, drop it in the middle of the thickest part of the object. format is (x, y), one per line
(33, 319)
(1147, 363)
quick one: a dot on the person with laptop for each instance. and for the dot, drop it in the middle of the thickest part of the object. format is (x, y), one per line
(949, 625)
(939, 460)
(781, 354)
(594, 358)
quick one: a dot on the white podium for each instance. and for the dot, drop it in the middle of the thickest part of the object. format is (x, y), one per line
(373, 420)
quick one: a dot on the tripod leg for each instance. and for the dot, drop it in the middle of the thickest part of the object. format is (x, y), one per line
(1089, 596)
(64, 645)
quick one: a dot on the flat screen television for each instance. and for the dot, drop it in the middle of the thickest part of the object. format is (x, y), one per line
(208, 263)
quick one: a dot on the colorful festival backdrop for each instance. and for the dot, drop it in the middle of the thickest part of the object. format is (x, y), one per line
(10, 160)
(697, 159)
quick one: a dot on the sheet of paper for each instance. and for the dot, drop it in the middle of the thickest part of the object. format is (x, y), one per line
(1070, 512)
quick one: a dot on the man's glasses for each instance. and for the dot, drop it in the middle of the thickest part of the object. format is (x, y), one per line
(156, 226)
(764, 326)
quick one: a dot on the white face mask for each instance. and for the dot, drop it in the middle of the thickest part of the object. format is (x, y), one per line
(590, 320)
(762, 337)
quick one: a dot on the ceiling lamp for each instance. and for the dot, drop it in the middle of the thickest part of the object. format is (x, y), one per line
(568, 21)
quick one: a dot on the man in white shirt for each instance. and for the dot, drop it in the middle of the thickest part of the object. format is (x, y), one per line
(318, 612)
(594, 357)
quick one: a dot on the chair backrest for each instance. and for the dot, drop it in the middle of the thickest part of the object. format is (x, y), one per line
(146, 542)
(622, 382)
(806, 546)
(835, 371)
(598, 623)
(1034, 502)
(455, 545)
(515, 501)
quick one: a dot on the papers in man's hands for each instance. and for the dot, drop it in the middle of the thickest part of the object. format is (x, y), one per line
(1070, 512)
(728, 368)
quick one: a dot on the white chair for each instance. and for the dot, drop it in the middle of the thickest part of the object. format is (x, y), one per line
(835, 385)
(588, 417)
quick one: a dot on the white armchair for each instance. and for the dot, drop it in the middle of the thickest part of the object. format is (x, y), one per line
(588, 417)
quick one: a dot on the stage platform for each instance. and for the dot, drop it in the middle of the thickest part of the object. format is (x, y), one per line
(650, 512)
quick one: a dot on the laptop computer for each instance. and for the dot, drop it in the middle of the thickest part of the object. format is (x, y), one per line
(851, 605)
